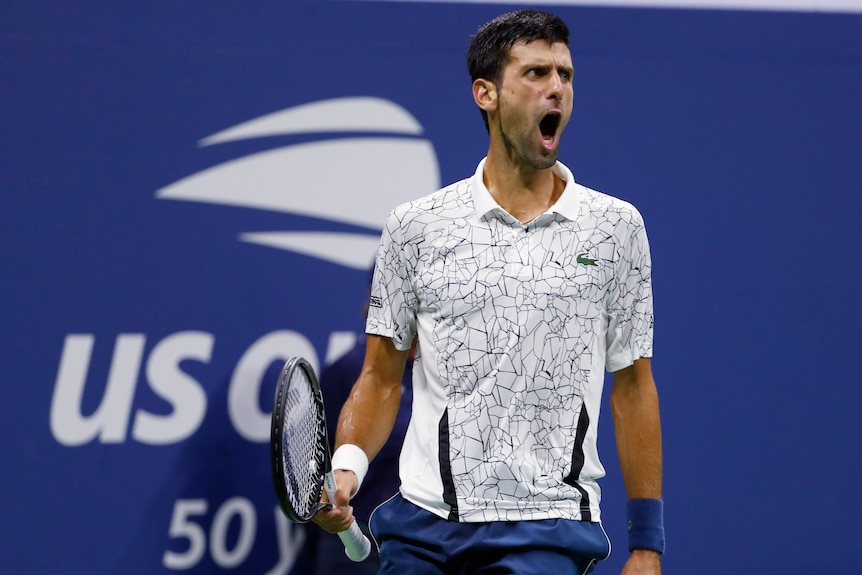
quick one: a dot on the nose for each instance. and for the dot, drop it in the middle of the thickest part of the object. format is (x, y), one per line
(555, 88)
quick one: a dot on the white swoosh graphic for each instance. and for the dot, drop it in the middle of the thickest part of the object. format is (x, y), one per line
(350, 250)
(365, 114)
(355, 181)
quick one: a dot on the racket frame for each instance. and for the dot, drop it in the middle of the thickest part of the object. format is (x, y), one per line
(356, 544)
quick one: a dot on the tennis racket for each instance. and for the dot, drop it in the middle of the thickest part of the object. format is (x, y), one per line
(301, 461)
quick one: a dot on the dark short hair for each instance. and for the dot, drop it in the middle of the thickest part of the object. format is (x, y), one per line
(489, 48)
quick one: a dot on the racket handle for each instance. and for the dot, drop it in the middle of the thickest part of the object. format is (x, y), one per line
(356, 544)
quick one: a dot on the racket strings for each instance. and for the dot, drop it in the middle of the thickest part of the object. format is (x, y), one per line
(303, 444)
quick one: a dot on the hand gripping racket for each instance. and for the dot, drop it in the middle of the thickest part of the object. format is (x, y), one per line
(301, 461)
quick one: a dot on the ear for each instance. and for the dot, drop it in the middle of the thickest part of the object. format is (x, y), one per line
(485, 94)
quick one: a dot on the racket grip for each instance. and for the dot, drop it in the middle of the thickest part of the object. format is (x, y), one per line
(356, 544)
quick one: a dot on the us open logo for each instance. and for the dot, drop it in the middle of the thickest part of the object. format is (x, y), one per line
(354, 180)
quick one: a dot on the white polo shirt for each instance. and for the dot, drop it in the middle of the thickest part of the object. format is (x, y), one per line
(516, 325)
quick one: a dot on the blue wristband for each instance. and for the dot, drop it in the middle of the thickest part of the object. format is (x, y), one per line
(646, 524)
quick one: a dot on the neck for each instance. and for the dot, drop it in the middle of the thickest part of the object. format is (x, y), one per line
(523, 191)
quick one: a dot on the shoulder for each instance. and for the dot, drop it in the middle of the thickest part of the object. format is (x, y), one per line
(448, 202)
(600, 202)
(604, 210)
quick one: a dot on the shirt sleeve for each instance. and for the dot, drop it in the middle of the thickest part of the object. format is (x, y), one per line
(392, 305)
(630, 309)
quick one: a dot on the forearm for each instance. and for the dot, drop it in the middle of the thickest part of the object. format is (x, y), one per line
(369, 413)
(366, 420)
(635, 410)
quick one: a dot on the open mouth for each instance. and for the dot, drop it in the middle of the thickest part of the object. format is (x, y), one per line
(549, 125)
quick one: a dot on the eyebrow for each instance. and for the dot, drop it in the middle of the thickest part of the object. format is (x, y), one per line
(547, 67)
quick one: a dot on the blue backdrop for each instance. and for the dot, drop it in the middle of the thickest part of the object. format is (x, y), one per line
(189, 193)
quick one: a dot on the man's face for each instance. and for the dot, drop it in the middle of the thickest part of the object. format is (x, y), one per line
(535, 101)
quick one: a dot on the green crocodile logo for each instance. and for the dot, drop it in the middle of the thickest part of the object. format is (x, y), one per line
(583, 259)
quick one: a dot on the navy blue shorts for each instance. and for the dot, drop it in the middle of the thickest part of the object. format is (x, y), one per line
(413, 540)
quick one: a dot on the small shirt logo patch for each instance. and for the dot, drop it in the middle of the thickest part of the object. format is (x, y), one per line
(583, 259)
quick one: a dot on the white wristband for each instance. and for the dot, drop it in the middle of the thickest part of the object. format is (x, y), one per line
(351, 458)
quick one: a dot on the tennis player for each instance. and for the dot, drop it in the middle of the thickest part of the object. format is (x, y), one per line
(522, 287)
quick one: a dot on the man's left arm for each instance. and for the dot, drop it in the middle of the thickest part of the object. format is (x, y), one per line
(635, 410)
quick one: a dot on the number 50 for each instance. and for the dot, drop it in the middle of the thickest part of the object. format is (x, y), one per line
(183, 526)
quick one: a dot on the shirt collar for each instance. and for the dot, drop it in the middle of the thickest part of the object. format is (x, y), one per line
(567, 205)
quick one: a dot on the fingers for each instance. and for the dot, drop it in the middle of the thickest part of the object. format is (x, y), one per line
(334, 519)
(338, 516)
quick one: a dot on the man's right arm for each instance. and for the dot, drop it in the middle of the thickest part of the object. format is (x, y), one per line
(366, 420)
